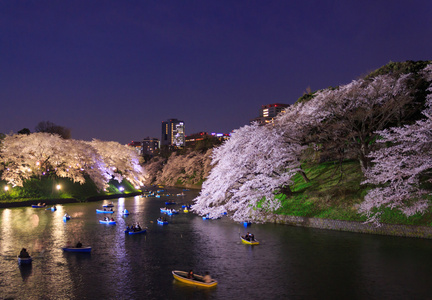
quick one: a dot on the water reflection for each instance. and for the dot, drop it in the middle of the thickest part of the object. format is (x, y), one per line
(26, 271)
(290, 262)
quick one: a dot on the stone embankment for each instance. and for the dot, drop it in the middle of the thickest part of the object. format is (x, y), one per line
(352, 226)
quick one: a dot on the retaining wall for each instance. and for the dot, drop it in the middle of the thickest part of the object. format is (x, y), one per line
(352, 226)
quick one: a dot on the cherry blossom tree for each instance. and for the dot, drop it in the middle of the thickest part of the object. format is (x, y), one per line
(403, 169)
(45, 154)
(120, 161)
(189, 168)
(248, 170)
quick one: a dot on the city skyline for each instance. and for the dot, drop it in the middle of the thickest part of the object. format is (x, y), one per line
(114, 70)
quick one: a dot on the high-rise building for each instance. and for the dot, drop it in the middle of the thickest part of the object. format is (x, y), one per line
(269, 111)
(173, 133)
(150, 146)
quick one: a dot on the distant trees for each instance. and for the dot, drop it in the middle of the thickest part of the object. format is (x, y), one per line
(50, 127)
(189, 168)
(45, 154)
(24, 131)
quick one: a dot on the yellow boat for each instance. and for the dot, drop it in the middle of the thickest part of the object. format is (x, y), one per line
(186, 210)
(197, 280)
(244, 241)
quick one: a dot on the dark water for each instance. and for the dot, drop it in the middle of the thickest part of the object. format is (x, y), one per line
(290, 262)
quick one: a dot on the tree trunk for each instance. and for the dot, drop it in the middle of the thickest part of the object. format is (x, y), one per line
(303, 174)
(286, 190)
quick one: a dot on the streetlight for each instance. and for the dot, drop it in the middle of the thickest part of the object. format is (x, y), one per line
(121, 189)
(58, 187)
(6, 188)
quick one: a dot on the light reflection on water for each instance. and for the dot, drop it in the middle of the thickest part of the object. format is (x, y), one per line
(290, 262)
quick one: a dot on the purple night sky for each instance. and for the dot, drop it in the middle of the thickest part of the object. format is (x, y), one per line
(114, 70)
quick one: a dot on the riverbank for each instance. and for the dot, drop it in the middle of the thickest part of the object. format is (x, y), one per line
(63, 200)
(412, 231)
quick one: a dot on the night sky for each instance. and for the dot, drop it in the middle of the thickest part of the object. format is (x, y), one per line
(114, 70)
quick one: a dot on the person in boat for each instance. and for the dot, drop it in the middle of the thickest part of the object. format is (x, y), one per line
(112, 219)
(111, 209)
(78, 245)
(252, 237)
(24, 253)
(247, 237)
(137, 227)
(66, 215)
(104, 209)
(207, 278)
(128, 228)
(190, 275)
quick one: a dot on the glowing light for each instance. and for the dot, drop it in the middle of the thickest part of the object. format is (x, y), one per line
(58, 186)
(37, 163)
(121, 189)
(6, 188)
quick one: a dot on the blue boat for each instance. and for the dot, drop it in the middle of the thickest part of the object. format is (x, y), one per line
(66, 218)
(100, 211)
(24, 260)
(170, 203)
(164, 210)
(162, 222)
(136, 232)
(74, 249)
(246, 224)
(107, 222)
(206, 217)
(171, 212)
(53, 208)
(38, 206)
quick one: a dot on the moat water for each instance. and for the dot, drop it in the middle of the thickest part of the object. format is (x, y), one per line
(290, 262)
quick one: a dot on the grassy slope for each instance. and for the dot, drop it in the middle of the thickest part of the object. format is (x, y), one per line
(45, 188)
(332, 194)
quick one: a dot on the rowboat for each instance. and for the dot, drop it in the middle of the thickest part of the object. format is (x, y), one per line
(185, 210)
(100, 211)
(246, 224)
(160, 222)
(253, 242)
(24, 260)
(172, 212)
(125, 212)
(136, 232)
(163, 210)
(38, 206)
(170, 203)
(66, 218)
(74, 249)
(107, 222)
(197, 279)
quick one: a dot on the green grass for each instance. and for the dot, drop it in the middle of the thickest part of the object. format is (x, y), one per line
(335, 192)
